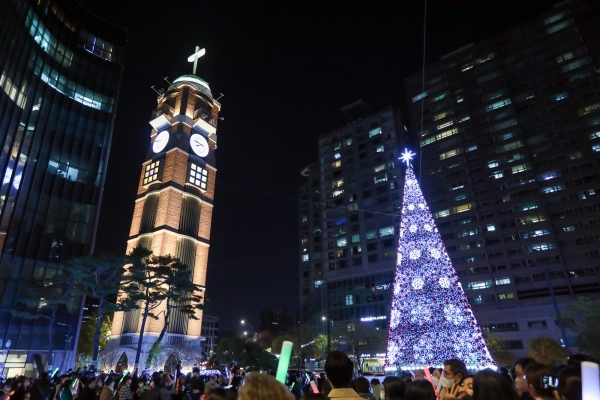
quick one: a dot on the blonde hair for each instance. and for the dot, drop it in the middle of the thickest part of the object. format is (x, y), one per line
(257, 386)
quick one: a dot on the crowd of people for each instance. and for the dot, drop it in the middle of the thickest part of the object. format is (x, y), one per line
(526, 380)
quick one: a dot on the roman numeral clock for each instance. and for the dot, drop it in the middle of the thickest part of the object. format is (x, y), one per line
(173, 209)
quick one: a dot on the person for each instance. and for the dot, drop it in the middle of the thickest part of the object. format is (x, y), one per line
(88, 392)
(124, 390)
(420, 389)
(197, 384)
(167, 390)
(217, 393)
(393, 388)
(462, 390)
(340, 370)
(453, 372)
(362, 387)
(520, 382)
(326, 387)
(435, 376)
(208, 386)
(108, 391)
(257, 386)
(534, 373)
(152, 393)
(66, 393)
(375, 387)
(320, 381)
(490, 385)
(314, 396)
(418, 376)
(41, 389)
(569, 384)
(7, 391)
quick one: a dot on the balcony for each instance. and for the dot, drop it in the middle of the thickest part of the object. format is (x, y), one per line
(161, 116)
(205, 121)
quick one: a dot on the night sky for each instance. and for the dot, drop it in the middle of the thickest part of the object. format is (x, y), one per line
(285, 68)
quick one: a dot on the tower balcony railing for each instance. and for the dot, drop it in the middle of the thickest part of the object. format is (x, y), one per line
(165, 110)
(206, 116)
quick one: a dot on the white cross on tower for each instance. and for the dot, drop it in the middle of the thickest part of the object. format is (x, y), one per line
(194, 57)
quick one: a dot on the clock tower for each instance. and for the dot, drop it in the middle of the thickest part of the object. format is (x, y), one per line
(173, 209)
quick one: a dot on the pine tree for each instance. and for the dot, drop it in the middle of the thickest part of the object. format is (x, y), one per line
(431, 319)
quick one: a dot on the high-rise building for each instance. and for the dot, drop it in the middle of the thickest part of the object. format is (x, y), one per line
(510, 167)
(349, 220)
(210, 334)
(60, 71)
(278, 322)
(173, 210)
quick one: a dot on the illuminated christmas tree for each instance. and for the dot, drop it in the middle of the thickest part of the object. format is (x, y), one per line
(431, 319)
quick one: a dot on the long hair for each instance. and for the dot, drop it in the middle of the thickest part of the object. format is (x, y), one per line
(421, 389)
(257, 386)
(490, 385)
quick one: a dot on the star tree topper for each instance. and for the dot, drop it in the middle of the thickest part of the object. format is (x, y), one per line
(407, 157)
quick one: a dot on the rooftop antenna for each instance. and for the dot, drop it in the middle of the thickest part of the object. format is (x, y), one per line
(166, 79)
(153, 88)
(194, 57)
(221, 95)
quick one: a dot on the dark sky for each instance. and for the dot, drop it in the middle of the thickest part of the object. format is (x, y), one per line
(286, 68)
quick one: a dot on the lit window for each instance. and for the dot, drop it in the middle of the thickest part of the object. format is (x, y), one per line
(371, 235)
(151, 173)
(380, 149)
(304, 257)
(355, 238)
(342, 242)
(498, 104)
(441, 214)
(337, 184)
(337, 193)
(198, 176)
(464, 118)
(349, 302)
(595, 135)
(490, 228)
(336, 164)
(375, 132)
(588, 109)
(596, 147)
(445, 125)
(386, 231)
(479, 285)
(506, 296)
(561, 96)
(379, 168)
(520, 168)
(380, 178)
(337, 156)
(502, 281)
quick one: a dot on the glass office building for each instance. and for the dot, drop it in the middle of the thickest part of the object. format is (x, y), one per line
(511, 169)
(60, 71)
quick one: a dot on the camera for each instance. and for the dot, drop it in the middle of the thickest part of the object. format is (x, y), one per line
(549, 381)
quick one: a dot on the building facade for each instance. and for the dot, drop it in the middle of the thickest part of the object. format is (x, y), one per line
(173, 210)
(61, 68)
(210, 334)
(349, 216)
(510, 167)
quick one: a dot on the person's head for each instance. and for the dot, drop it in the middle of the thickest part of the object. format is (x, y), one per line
(314, 396)
(196, 371)
(258, 386)
(534, 373)
(375, 382)
(437, 373)
(490, 385)
(339, 369)
(466, 385)
(68, 384)
(26, 382)
(453, 372)
(570, 389)
(419, 374)
(393, 388)
(216, 394)
(362, 385)
(418, 390)
(520, 366)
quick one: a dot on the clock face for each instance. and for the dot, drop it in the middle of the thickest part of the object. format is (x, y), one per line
(160, 142)
(199, 145)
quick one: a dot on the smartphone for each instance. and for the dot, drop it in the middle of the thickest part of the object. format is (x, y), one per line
(549, 382)
(314, 387)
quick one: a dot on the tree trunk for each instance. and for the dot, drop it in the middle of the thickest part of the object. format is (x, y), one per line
(162, 334)
(96, 342)
(141, 336)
